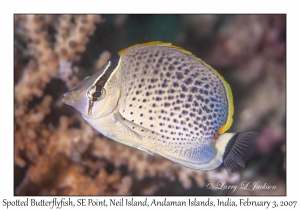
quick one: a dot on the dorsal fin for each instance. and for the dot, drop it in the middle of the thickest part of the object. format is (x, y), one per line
(160, 43)
(239, 150)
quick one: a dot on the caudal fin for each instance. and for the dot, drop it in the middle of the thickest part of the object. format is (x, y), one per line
(239, 150)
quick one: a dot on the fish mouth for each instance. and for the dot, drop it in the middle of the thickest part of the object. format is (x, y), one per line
(68, 98)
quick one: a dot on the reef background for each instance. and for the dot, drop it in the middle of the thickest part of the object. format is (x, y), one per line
(57, 153)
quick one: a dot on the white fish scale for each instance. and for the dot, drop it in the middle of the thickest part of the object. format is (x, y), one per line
(168, 92)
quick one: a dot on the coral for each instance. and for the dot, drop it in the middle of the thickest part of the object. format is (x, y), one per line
(60, 154)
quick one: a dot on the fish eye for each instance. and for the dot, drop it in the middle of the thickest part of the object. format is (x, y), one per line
(96, 93)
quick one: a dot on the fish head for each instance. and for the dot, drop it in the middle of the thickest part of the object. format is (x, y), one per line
(91, 98)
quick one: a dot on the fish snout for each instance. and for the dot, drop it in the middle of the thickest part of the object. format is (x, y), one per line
(68, 98)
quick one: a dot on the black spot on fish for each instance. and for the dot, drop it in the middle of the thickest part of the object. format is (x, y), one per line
(179, 75)
(199, 111)
(153, 80)
(197, 82)
(175, 84)
(213, 99)
(184, 112)
(170, 97)
(171, 68)
(205, 109)
(187, 105)
(194, 89)
(184, 88)
(172, 91)
(166, 104)
(161, 92)
(188, 81)
(195, 103)
(186, 71)
(177, 108)
(192, 114)
(199, 97)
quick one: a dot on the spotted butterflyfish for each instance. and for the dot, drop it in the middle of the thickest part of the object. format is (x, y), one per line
(162, 99)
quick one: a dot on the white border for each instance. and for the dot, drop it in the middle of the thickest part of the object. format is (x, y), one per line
(54, 6)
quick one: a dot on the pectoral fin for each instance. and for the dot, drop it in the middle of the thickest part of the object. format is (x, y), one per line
(126, 123)
(133, 128)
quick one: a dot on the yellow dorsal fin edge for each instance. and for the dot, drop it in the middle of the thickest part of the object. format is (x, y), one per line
(228, 123)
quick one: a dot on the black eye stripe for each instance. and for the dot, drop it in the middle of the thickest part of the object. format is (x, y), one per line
(115, 59)
(113, 63)
(98, 88)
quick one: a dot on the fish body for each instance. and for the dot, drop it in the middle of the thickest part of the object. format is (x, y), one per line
(161, 99)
